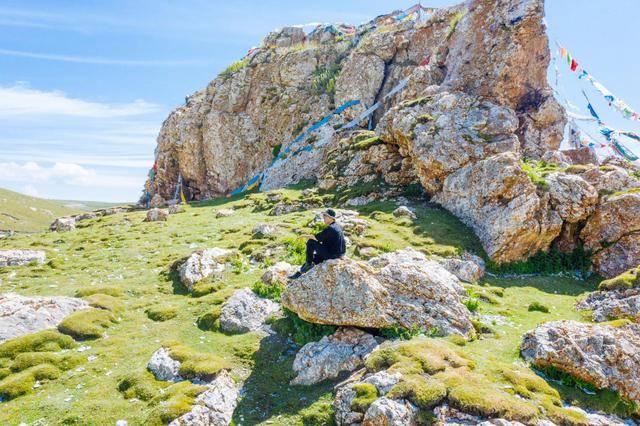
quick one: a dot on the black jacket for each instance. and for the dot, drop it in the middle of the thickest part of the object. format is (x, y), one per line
(332, 238)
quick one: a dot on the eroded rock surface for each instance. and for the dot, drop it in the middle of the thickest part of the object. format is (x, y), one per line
(342, 351)
(396, 289)
(21, 257)
(64, 224)
(278, 273)
(245, 311)
(605, 356)
(163, 367)
(468, 267)
(21, 315)
(157, 215)
(614, 304)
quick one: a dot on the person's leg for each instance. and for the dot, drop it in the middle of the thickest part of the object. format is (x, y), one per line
(321, 254)
(312, 248)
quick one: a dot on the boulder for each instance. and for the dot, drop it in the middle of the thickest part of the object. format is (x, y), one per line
(468, 267)
(201, 264)
(497, 199)
(175, 209)
(157, 215)
(85, 216)
(584, 155)
(21, 257)
(63, 224)
(163, 367)
(244, 311)
(610, 179)
(607, 357)
(390, 412)
(20, 315)
(396, 289)
(404, 211)
(278, 273)
(343, 351)
(614, 304)
(213, 407)
(556, 157)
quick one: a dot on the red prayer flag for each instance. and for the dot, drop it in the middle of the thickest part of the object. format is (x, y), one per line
(574, 65)
(425, 61)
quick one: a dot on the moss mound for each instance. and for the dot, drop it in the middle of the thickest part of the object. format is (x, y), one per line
(108, 290)
(42, 341)
(626, 280)
(366, 393)
(104, 301)
(196, 364)
(88, 324)
(162, 312)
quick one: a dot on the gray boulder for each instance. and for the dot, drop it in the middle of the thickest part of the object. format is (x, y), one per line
(245, 311)
(21, 257)
(202, 264)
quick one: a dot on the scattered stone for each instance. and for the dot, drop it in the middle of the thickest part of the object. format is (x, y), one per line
(225, 213)
(362, 200)
(202, 264)
(383, 381)
(85, 216)
(557, 157)
(113, 210)
(213, 407)
(274, 197)
(245, 311)
(264, 230)
(614, 304)
(468, 267)
(122, 423)
(583, 155)
(21, 257)
(607, 357)
(63, 224)
(404, 211)
(21, 315)
(163, 366)
(283, 208)
(395, 289)
(176, 208)
(155, 215)
(342, 351)
(278, 273)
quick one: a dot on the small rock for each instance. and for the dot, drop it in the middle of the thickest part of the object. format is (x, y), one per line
(202, 264)
(404, 211)
(342, 351)
(390, 412)
(63, 224)
(21, 257)
(264, 230)
(225, 213)
(278, 273)
(155, 215)
(383, 381)
(468, 267)
(163, 366)
(121, 423)
(245, 311)
(176, 208)
(274, 197)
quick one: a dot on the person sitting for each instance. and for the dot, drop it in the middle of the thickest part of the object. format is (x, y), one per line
(327, 244)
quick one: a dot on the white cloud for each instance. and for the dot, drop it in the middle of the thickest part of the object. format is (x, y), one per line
(21, 100)
(30, 190)
(67, 174)
(98, 60)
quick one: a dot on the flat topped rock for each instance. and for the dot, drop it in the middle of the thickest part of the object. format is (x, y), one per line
(605, 356)
(21, 257)
(245, 311)
(396, 289)
(21, 315)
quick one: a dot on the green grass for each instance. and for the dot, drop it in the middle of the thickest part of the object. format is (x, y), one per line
(130, 261)
(626, 280)
(236, 66)
(17, 212)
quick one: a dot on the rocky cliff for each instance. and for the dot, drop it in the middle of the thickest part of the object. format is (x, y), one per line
(462, 98)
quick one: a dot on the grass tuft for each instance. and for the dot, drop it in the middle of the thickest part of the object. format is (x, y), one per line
(88, 324)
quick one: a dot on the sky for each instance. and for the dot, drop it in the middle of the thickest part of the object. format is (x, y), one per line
(86, 84)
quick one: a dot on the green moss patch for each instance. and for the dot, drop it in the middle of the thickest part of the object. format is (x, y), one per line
(366, 393)
(87, 324)
(626, 280)
(195, 364)
(42, 341)
(140, 385)
(104, 301)
(162, 312)
(21, 383)
(210, 320)
(175, 401)
(108, 290)
(538, 307)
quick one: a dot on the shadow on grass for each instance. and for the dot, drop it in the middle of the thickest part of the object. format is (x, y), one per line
(172, 275)
(554, 284)
(267, 392)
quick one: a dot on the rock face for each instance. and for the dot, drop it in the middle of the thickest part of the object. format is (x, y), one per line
(213, 407)
(468, 267)
(342, 351)
(245, 311)
(21, 257)
(64, 224)
(609, 305)
(21, 315)
(497, 199)
(201, 264)
(606, 356)
(396, 289)
(389, 412)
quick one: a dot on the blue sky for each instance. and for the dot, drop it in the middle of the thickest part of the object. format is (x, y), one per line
(85, 85)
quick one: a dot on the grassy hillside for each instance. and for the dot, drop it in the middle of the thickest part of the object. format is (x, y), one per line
(125, 265)
(22, 213)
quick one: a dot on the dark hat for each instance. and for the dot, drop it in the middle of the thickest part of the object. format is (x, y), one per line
(329, 212)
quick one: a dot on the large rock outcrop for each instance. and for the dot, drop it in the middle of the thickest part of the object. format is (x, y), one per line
(605, 356)
(21, 257)
(396, 289)
(21, 315)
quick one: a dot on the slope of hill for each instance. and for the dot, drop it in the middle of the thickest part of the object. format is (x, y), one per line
(22, 213)
(127, 267)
